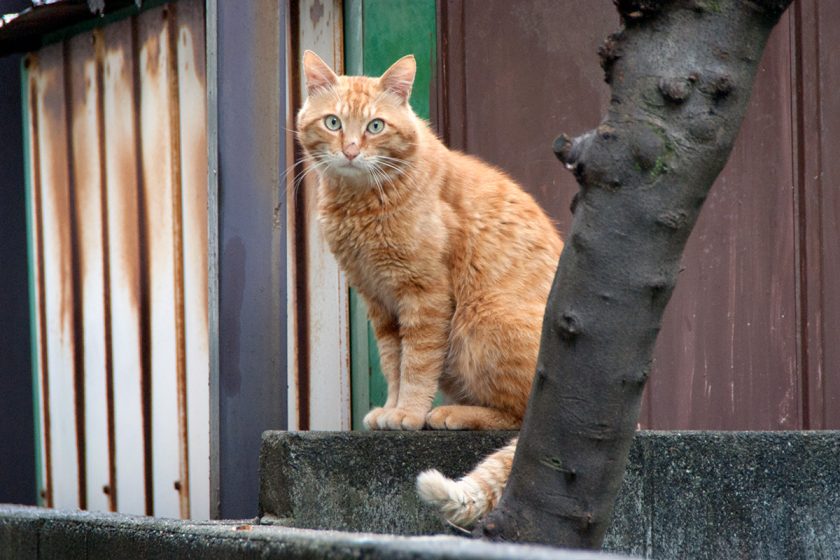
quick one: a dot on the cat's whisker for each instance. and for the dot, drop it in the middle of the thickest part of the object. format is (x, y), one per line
(306, 159)
(375, 174)
(400, 162)
(399, 172)
(297, 180)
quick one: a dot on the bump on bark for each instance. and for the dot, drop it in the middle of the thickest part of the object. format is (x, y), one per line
(575, 201)
(556, 463)
(675, 90)
(579, 242)
(647, 148)
(660, 288)
(722, 86)
(673, 220)
(568, 326)
(702, 129)
(637, 378)
(609, 52)
(563, 149)
(570, 152)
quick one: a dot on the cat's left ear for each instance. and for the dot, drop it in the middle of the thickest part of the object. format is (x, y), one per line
(318, 74)
(399, 78)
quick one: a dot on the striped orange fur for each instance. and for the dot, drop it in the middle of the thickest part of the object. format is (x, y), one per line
(453, 259)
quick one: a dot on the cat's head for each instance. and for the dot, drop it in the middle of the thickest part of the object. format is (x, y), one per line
(357, 127)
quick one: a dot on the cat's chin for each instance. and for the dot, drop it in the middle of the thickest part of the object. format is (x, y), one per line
(353, 173)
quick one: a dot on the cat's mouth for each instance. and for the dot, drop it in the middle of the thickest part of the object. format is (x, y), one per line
(349, 167)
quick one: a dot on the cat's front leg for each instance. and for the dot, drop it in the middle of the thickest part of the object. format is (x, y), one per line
(388, 342)
(424, 333)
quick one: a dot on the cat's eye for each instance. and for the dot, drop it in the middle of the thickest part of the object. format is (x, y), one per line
(332, 122)
(375, 126)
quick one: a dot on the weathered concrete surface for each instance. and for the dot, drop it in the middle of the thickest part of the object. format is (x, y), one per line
(685, 494)
(362, 481)
(28, 533)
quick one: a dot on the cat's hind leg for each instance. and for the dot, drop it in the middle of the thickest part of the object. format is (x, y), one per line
(467, 417)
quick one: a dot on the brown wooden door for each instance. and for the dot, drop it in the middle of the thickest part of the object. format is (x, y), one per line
(747, 337)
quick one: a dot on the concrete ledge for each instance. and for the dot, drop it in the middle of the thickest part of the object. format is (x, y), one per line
(31, 533)
(685, 495)
(362, 481)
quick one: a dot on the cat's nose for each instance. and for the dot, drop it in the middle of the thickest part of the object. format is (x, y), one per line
(351, 151)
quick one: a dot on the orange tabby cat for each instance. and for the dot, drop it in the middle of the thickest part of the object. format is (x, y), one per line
(453, 259)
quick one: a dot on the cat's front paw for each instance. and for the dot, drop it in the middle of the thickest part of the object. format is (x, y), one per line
(394, 419)
(370, 419)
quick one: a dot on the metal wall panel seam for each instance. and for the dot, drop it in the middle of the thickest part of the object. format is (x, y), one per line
(144, 288)
(40, 382)
(212, 77)
(192, 123)
(157, 163)
(58, 296)
(76, 284)
(183, 484)
(87, 184)
(99, 53)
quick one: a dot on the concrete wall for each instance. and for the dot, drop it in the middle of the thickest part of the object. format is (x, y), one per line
(685, 494)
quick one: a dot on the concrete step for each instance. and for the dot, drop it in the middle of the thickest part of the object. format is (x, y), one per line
(685, 494)
(28, 533)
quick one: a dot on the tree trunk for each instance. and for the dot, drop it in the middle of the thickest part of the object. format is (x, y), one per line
(681, 73)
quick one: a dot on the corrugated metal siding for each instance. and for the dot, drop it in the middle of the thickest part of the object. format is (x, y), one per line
(319, 367)
(118, 176)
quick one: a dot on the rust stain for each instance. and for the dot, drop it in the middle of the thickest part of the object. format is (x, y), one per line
(151, 55)
(99, 59)
(59, 268)
(178, 255)
(75, 211)
(194, 157)
(144, 279)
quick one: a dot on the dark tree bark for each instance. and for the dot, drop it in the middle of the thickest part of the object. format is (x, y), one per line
(681, 73)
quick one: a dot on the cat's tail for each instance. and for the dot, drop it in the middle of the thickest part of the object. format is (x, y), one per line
(467, 499)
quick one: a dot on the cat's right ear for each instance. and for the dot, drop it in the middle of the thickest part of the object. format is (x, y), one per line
(319, 76)
(399, 78)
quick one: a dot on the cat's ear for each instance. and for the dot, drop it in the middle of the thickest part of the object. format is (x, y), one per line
(399, 78)
(319, 75)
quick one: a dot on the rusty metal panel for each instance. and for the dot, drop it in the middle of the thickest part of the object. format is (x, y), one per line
(84, 103)
(727, 354)
(159, 160)
(52, 188)
(192, 86)
(120, 248)
(319, 387)
(124, 260)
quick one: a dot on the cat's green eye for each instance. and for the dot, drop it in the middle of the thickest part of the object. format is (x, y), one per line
(332, 122)
(375, 126)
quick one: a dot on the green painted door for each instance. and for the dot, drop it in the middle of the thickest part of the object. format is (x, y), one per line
(376, 34)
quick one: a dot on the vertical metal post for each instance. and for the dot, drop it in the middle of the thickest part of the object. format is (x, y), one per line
(246, 69)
